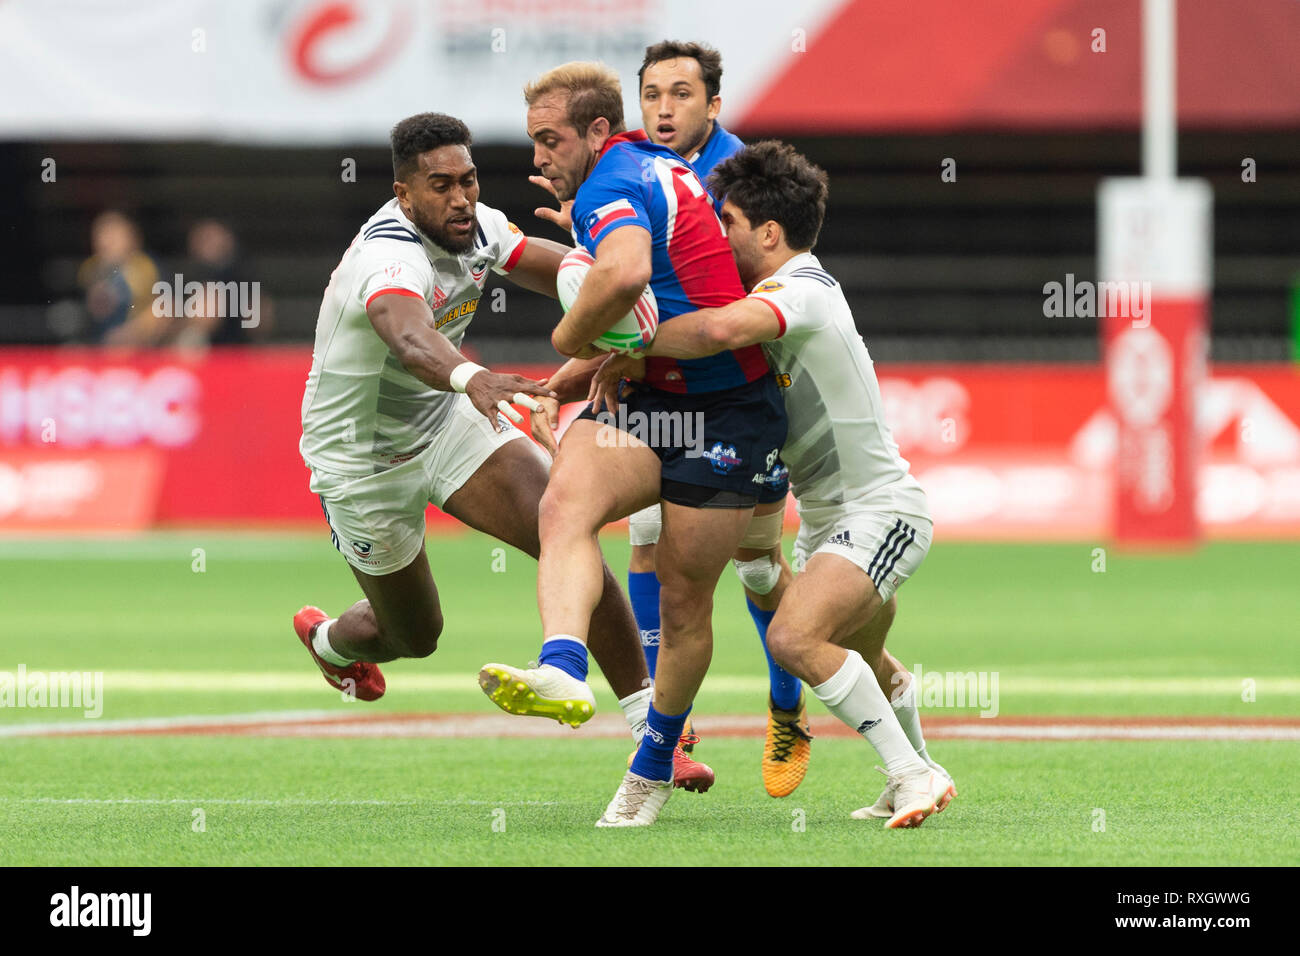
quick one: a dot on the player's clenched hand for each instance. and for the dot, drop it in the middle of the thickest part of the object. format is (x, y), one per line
(491, 392)
(607, 383)
(544, 422)
(562, 217)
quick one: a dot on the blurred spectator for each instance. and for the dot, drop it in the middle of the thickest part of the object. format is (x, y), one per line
(214, 261)
(118, 281)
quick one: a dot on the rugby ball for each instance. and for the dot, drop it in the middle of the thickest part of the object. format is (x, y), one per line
(631, 334)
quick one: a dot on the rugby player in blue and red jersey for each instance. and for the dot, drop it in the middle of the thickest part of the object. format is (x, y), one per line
(680, 85)
(646, 218)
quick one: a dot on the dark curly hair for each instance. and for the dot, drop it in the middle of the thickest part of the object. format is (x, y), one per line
(420, 133)
(772, 181)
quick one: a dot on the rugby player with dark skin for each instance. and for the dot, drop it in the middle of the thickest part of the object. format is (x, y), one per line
(402, 616)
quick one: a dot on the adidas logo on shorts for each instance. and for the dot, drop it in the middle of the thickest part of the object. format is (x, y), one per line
(841, 538)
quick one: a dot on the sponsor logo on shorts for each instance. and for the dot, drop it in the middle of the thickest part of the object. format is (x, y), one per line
(841, 539)
(722, 458)
(361, 548)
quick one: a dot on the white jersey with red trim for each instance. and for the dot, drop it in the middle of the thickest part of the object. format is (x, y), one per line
(839, 451)
(363, 412)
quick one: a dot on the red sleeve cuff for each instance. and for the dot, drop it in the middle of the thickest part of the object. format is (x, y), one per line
(515, 254)
(779, 317)
(392, 291)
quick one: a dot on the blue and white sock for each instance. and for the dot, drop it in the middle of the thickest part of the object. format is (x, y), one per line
(654, 758)
(643, 592)
(565, 652)
(785, 686)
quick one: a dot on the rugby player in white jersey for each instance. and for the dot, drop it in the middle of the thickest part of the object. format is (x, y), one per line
(865, 524)
(394, 416)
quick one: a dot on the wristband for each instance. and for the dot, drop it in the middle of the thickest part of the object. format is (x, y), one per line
(462, 373)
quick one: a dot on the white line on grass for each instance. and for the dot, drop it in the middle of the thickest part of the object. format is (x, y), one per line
(203, 681)
(287, 802)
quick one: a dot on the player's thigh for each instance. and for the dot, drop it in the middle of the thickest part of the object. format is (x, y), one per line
(601, 474)
(763, 535)
(829, 600)
(502, 496)
(405, 603)
(377, 524)
(696, 543)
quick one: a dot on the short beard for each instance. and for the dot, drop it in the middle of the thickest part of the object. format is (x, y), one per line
(439, 236)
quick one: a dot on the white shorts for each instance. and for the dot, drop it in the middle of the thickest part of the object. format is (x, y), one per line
(887, 546)
(377, 521)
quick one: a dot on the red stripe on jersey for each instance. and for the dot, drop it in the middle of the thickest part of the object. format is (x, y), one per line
(779, 317)
(514, 256)
(752, 362)
(392, 291)
(704, 266)
(616, 214)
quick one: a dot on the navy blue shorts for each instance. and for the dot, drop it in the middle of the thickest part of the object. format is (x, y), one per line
(776, 485)
(716, 449)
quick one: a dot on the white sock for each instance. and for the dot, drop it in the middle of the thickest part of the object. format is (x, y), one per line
(635, 708)
(910, 718)
(853, 696)
(320, 643)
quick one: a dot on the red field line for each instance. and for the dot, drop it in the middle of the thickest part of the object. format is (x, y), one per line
(1039, 727)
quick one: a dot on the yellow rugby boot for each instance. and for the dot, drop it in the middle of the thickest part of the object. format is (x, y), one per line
(544, 691)
(788, 747)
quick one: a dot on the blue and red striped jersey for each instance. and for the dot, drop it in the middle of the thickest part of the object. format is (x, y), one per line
(636, 183)
(721, 145)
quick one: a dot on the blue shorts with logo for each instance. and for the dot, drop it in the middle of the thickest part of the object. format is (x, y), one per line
(717, 449)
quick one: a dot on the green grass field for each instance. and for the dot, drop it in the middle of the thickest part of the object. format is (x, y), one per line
(1162, 636)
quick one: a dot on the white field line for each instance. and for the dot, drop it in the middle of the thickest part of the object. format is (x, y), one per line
(325, 724)
(204, 802)
(186, 681)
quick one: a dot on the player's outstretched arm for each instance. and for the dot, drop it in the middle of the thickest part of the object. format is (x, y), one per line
(405, 324)
(537, 266)
(612, 287)
(746, 321)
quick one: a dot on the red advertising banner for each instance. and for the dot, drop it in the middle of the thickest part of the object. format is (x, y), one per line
(105, 441)
(1154, 374)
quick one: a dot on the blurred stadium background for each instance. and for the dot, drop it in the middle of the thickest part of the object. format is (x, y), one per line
(226, 134)
(140, 141)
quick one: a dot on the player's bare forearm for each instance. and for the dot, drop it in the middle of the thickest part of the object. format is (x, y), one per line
(537, 266)
(709, 331)
(406, 326)
(611, 289)
(573, 379)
